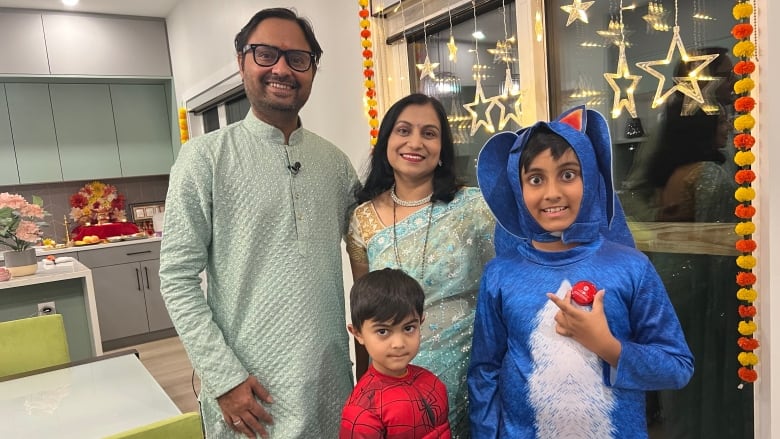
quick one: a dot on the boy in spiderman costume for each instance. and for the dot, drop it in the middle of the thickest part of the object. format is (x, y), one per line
(393, 399)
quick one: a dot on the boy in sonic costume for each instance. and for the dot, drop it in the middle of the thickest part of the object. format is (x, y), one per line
(543, 366)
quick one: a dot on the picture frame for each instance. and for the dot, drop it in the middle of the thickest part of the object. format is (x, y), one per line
(145, 211)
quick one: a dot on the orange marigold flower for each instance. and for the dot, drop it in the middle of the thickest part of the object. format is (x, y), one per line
(746, 311)
(367, 53)
(744, 279)
(748, 344)
(363, 13)
(744, 67)
(746, 245)
(745, 141)
(365, 33)
(742, 31)
(747, 374)
(744, 104)
(744, 176)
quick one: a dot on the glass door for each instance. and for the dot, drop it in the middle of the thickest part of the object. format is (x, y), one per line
(673, 165)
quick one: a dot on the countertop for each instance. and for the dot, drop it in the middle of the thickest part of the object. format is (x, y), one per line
(40, 251)
(49, 273)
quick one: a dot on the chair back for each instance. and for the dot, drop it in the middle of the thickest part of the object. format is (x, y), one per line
(183, 426)
(32, 343)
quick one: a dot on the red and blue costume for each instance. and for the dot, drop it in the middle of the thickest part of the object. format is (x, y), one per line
(413, 406)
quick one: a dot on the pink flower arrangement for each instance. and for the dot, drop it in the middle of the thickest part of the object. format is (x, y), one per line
(20, 221)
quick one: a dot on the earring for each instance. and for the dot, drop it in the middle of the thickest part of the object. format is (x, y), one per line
(440, 163)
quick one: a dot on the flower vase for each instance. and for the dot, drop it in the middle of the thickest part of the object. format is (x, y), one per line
(22, 262)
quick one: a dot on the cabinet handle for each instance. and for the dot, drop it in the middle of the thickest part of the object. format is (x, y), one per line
(138, 253)
(146, 271)
(138, 278)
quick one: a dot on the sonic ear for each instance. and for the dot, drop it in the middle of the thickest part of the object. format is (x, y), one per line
(576, 118)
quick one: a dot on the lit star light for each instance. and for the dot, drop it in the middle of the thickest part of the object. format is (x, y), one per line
(426, 68)
(453, 49)
(480, 101)
(687, 85)
(622, 73)
(512, 98)
(710, 104)
(576, 11)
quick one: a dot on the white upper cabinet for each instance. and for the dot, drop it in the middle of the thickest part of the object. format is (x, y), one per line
(22, 47)
(106, 46)
(52, 43)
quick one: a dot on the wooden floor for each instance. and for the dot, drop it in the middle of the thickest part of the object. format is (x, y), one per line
(168, 363)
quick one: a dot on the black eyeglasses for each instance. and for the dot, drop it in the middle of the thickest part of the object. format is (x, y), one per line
(266, 56)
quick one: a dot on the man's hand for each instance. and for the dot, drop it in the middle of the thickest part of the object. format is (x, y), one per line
(589, 328)
(242, 412)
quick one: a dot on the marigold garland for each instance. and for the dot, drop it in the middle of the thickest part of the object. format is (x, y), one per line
(744, 49)
(368, 70)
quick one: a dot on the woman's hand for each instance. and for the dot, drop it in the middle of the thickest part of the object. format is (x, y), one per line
(242, 412)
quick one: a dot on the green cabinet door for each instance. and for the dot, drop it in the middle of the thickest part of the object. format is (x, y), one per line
(8, 173)
(85, 131)
(32, 125)
(143, 128)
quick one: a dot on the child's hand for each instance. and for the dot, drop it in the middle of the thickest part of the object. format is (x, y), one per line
(589, 328)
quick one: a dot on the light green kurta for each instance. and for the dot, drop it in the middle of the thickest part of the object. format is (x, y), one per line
(270, 243)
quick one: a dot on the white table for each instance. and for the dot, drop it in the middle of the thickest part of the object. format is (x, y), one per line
(94, 399)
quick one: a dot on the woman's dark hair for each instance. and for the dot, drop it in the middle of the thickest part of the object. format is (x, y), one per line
(387, 295)
(540, 141)
(684, 140)
(380, 175)
(285, 14)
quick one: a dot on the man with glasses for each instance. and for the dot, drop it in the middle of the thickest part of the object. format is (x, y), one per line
(262, 205)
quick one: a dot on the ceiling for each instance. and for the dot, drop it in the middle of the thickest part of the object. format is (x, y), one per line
(145, 8)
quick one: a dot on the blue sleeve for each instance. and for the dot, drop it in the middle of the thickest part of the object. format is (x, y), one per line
(656, 356)
(489, 346)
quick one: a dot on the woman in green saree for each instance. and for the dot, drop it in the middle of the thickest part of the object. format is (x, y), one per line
(413, 214)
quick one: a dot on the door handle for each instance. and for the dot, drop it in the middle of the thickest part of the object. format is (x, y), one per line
(146, 271)
(138, 253)
(138, 278)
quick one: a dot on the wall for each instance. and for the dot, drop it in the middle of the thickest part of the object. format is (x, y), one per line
(768, 220)
(201, 43)
(56, 197)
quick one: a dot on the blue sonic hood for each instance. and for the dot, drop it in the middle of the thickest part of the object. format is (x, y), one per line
(498, 173)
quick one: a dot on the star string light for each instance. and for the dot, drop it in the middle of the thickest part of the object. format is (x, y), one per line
(486, 105)
(576, 11)
(687, 85)
(452, 48)
(480, 101)
(512, 97)
(427, 67)
(622, 73)
(709, 105)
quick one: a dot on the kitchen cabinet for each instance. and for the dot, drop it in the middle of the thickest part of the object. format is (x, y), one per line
(62, 43)
(9, 175)
(85, 130)
(103, 45)
(143, 130)
(34, 138)
(127, 289)
(27, 53)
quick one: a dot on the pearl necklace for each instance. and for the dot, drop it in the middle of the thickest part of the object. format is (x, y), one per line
(425, 242)
(405, 203)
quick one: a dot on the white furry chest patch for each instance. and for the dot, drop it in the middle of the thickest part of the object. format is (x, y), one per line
(566, 388)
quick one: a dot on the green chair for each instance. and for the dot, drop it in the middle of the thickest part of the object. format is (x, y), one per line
(183, 426)
(32, 343)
